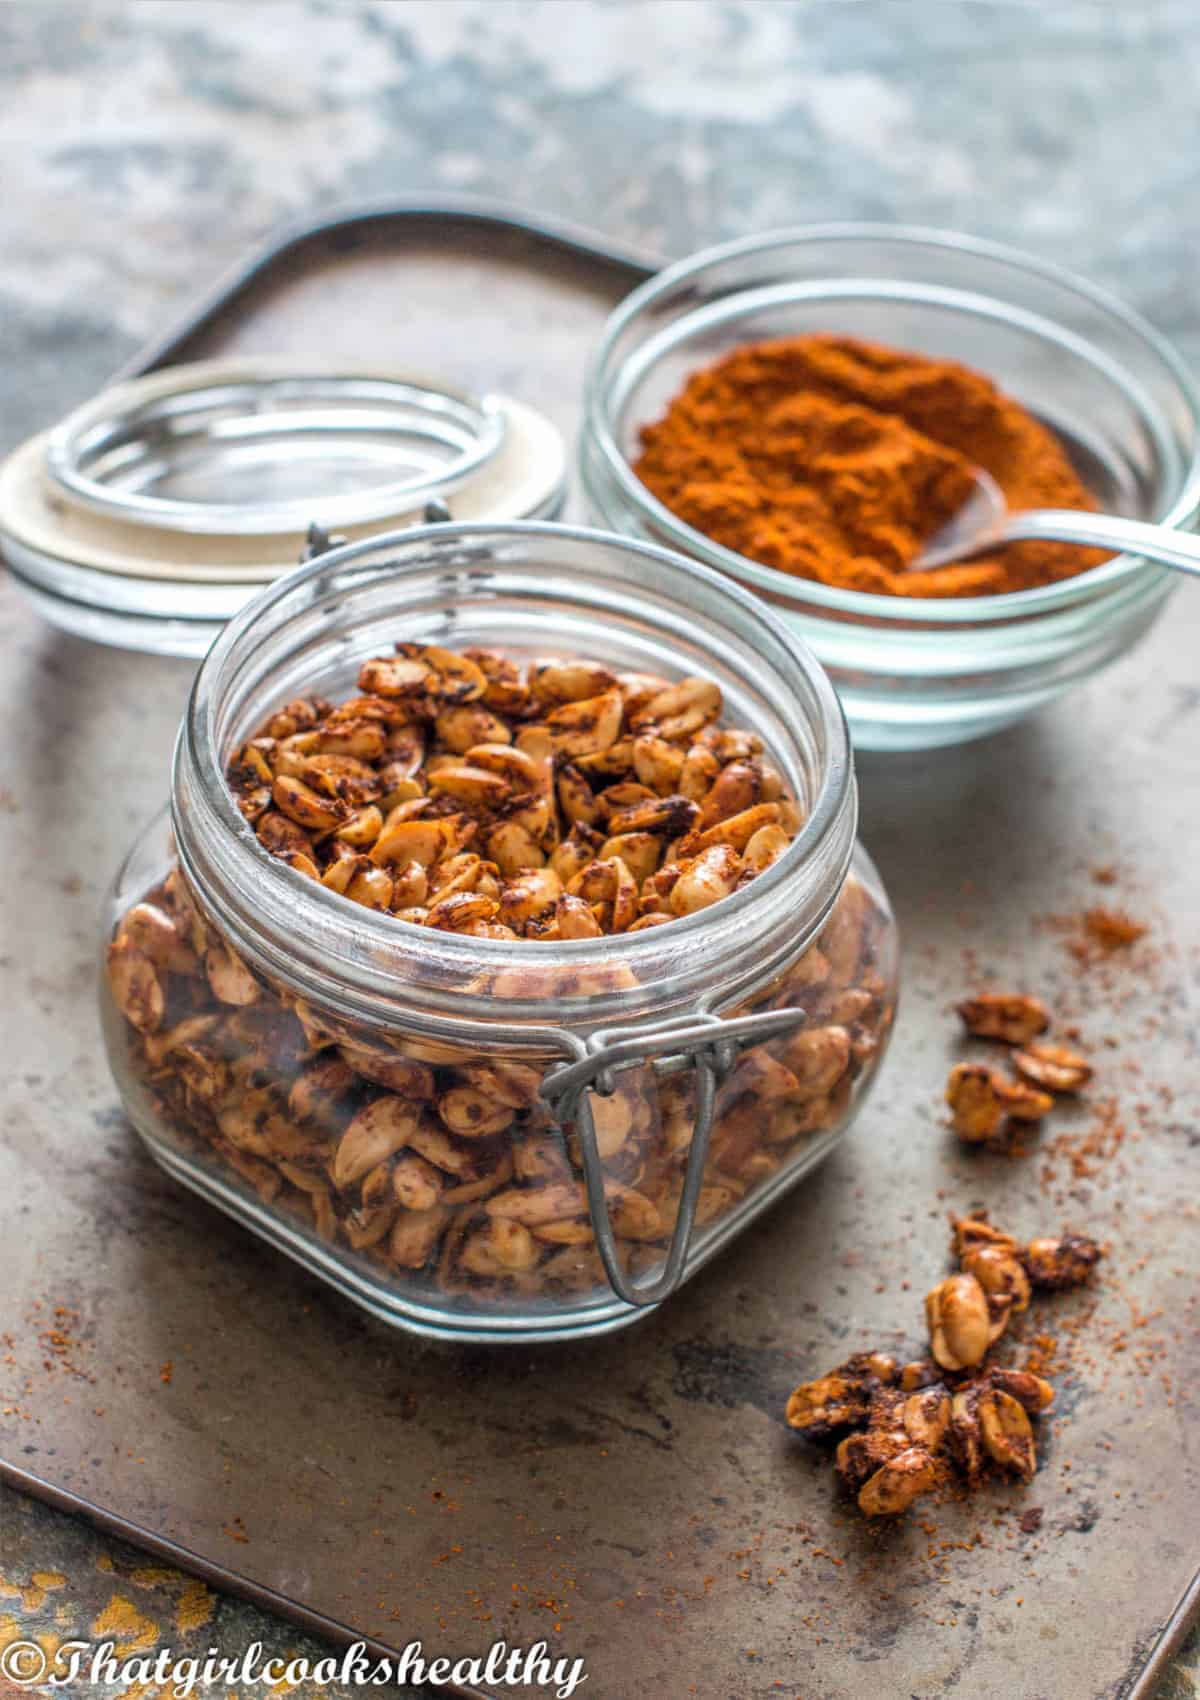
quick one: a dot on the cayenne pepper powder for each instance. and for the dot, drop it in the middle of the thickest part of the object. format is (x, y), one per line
(834, 459)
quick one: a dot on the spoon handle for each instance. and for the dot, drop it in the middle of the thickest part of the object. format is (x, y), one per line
(1105, 531)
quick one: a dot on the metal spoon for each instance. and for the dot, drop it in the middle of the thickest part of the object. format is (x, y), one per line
(984, 522)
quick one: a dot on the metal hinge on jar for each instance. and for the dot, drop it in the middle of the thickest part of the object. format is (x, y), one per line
(711, 1046)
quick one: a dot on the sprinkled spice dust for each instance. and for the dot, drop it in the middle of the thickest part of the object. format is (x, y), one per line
(60, 1341)
(1111, 929)
(1097, 933)
(1078, 1154)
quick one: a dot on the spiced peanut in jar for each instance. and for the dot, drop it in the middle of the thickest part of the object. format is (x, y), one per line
(419, 893)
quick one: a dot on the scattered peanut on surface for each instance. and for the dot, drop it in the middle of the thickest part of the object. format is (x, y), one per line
(908, 1429)
(983, 1102)
(1012, 1017)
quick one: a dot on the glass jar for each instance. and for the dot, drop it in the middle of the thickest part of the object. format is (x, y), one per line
(487, 1138)
(916, 674)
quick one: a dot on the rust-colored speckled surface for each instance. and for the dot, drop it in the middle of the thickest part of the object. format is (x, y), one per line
(638, 1501)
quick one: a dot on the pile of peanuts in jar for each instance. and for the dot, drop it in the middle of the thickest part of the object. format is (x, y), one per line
(553, 801)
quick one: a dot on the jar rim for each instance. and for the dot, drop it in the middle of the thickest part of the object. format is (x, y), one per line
(1006, 606)
(199, 772)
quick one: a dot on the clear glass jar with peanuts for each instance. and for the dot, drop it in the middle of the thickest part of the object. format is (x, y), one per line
(510, 949)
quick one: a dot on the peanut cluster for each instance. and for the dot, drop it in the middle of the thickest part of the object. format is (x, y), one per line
(915, 1426)
(554, 801)
(982, 1100)
(440, 1163)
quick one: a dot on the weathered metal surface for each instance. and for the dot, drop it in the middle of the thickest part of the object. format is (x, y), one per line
(63, 1591)
(637, 1500)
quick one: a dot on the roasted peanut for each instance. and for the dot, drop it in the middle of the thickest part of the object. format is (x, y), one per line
(1006, 1434)
(640, 852)
(136, 987)
(974, 1102)
(734, 830)
(307, 807)
(557, 682)
(415, 1236)
(471, 1114)
(319, 1093)
(409, 841)
(1004, 1015)
(1000, 1274)
(818, 1057)
(393, 676)
(972, 1232)
(499, 1248)
(959, 1322)
(706, 880)
(362, 829)
(657, 763)
(504, 691)
(155, 934)
(575, 919)
(454, 678)
(471, 787)
(1020, 1101)
(536, 1205)
(670, 817)
(354, 781)
(1064, 1261)
(416, 1183)
(842, 1398)
(680, 710)
(401, 1074)
(529, 894)
(513, 848)
(896, 1484)
(576, 798)
(373, 888)
(1055, 1068)
(376, 1133)
(764, 848)
(230, 979)
(1030, 1391)
(468, 724)
(516, 767)
(280, 835)
(584, 728)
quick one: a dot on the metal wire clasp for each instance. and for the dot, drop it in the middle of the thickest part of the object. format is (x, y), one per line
(713, 1046)
(318, 541)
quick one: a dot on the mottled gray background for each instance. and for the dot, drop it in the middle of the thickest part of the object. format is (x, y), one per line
(145, 146)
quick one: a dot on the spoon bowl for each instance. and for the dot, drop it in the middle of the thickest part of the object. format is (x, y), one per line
(964, 533)
(984, 522)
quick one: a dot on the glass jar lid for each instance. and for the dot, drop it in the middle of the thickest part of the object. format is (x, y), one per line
(149, 516)
(219, 452)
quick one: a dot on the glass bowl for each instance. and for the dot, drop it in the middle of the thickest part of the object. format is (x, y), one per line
(913, 675)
